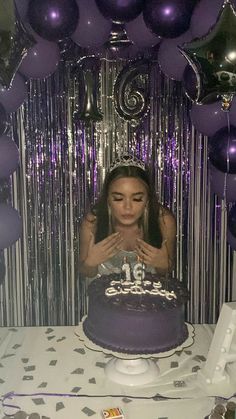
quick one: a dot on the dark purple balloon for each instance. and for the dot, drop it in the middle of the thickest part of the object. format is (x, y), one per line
(168, 18)
(232, 220)
(222, 149)
(53, 19)
(9, 157)
(189, 82)
(10, 226)
(208, 119)
(120, 10)
(93, 28)
(222, 184)
(3, 120)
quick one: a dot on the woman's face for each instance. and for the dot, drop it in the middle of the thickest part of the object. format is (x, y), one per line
(127, 198)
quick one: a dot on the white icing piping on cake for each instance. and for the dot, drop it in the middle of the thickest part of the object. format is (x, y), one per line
(129, 287)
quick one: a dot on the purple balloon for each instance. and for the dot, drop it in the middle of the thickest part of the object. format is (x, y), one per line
(3, 120)
(223, 184)
(120, 10)
(205, 16)
(138, 33)
(222, 149)
(168, 18)
(170, 59)
(53, 19)
(92, 29)
(9, 156)
(232, 220)
(10, 226)
(13, 97)
(41, 60)
(231, 240)
(208, 119)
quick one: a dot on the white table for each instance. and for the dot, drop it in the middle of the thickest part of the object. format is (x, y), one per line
(53, 363)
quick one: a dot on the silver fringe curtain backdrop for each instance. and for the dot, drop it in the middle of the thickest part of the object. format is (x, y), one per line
(63, 163)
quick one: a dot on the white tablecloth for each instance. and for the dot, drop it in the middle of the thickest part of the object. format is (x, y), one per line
(51, 373)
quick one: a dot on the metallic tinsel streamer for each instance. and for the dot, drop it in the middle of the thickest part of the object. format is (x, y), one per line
(63, 164)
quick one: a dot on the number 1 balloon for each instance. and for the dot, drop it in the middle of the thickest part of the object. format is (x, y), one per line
(213, 59)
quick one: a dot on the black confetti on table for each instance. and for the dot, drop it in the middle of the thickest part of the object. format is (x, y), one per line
(7, 356)
(174, 364)
(49, 330)
(16, 346)
(196, 368)
(179, 383)
(28, 377)
(75, 389)
(20, 415)
(34, 416)
(30, 368)
(126, 400)
(188, 352)
(53, 363)
(199, 358)
(51, 337)
(78, 371)
(92, 380)
(80, 351)
(61, 339)
(100, 364)
(59, 406)
(43, 384)
(158, 397)
(88, 411)
(38, 401)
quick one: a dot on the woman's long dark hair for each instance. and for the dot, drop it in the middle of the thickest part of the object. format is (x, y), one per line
(100, 209)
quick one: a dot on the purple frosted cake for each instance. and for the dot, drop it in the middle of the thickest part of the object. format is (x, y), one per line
(136, 317)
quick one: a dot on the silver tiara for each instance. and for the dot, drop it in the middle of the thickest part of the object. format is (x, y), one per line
(127, 160)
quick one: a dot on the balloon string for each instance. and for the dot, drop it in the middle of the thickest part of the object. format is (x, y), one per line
(228, 123)
(227, 155)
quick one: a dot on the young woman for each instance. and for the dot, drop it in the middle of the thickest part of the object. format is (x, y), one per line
(127, 224)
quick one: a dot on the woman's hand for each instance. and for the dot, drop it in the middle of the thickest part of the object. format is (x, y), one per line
(102, 251)
(150, 255)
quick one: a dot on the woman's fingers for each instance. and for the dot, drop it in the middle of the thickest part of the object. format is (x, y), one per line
(114, 241)
(110, 239)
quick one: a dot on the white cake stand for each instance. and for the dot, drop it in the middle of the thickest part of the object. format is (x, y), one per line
(130, 369)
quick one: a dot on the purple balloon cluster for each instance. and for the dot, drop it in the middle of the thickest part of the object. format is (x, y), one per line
(208, 17)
